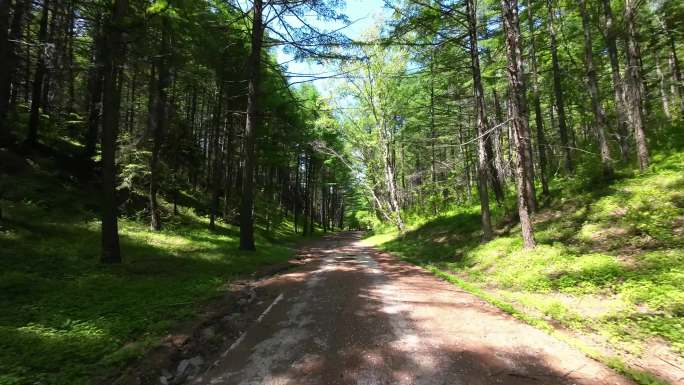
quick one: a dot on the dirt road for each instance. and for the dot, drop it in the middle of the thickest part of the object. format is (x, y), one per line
(355, 316)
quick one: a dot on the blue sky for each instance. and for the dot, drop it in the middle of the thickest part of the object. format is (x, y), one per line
(362, 14)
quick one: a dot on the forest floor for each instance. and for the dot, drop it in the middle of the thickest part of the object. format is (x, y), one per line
(65, 317)
(352, 315)
(607, 275)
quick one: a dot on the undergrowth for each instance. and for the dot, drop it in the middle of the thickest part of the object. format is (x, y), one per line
(609, 260)
(65, 317)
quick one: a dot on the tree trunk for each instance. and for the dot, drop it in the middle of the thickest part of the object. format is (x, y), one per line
(558, 90)
(4, 27)
(309, 198)
(433, 134)
(112, 56)
(27, 58)
(254, 68)
(8, 81)
(481, 122)
(502, 166)
(390, 178)
(592, 83)
(215, 161)
(676, 73)
(71, 31)
(95, 77)
(37, 92)
(6, 52)
(536, 101)
(466, 164)
(664, 97)
(160, 128)
(518, 112)
(52, 83)
(633, 76)
(295, 205)
(130, 123)
(324, 199)
(610, 36)
(227, 168)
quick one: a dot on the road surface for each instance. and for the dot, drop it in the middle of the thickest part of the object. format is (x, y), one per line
(356, 316)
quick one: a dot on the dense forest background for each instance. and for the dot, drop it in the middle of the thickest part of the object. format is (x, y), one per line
(159, 98)
(138, 128)
(567, 89)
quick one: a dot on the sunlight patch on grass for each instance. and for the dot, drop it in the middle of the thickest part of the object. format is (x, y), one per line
(64, 316)
(609, 261)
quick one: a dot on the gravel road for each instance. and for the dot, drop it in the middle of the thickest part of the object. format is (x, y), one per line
(356, 316)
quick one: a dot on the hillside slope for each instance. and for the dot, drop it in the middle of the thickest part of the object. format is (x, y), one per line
(65, 317)
(608, 271)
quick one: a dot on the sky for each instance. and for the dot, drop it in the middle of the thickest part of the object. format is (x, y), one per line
(362, 14)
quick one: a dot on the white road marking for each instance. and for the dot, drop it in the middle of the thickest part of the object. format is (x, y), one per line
(261, 317)
(268, 309)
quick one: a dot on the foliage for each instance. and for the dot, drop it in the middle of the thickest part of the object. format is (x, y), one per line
(64, 316)
(610, 262)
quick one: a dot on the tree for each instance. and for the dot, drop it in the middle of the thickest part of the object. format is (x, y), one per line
(7, 52)
(95, 84)
(254, 68)
(300, 39)
(610, 36)
(112, 59)
(37, 95)
(517, 112)
(633, 91)
(161, 124)
(558, 88)
(536, 101)
(481, 119)
(592, 85)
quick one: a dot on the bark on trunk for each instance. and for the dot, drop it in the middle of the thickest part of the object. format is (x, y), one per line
(676, 73)
(536, 101)
(502, 166)
(633, 76)
(390, 178)
(254, 68)
(95, 77)
(71, 30)
(610, 36)
(4, 26)
(110, 124)
(295, 205)
(228, 169)
(664, 97)
(37, 92)
(216, 161)
(518, 112)
(8, 81)
(592, 83)
(5, 52)
(309, 198)
(481, 123)
(159, 128)
(558, 90)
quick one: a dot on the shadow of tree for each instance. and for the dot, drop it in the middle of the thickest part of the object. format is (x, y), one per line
(356, 321)
(63, 315)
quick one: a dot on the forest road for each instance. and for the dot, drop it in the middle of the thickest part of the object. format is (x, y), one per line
(356, 316)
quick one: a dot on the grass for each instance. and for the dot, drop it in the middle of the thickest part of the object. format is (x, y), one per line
(610, 259)
(64, 317)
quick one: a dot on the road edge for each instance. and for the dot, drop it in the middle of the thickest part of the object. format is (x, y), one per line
(641, 377)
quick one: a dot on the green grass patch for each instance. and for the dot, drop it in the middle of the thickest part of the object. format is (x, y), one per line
(64, 317)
